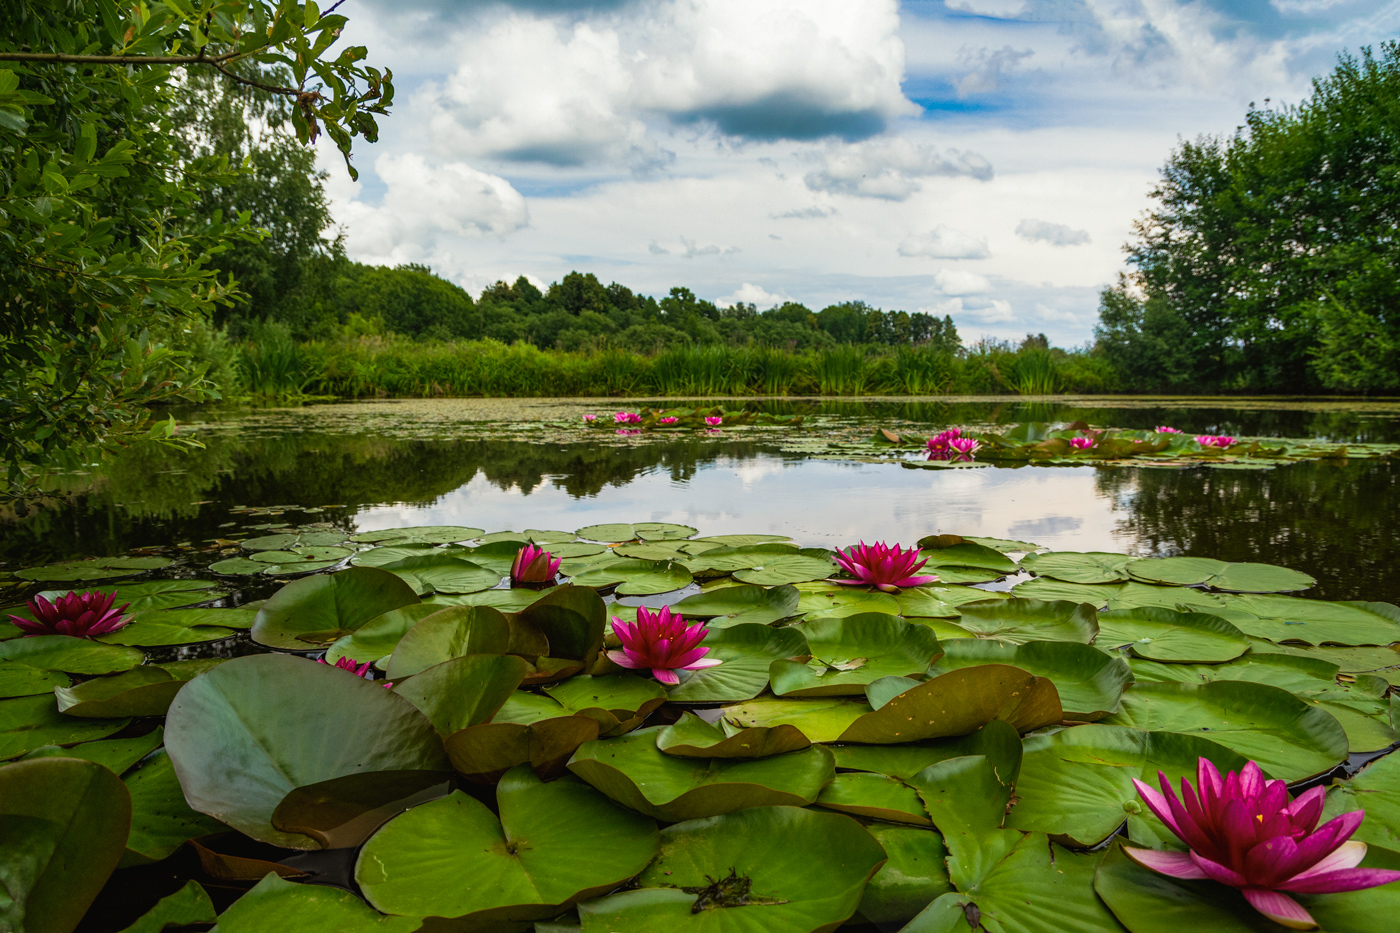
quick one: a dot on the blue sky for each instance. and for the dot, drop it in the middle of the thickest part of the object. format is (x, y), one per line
(979, 158)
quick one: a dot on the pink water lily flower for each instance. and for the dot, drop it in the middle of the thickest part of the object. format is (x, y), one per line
(940, 445)
(965, 447)
(348, 664)
(668, 420)
(590, 417)
(1163, 429)
(663, 642)
(81, 615)
(713, 420)
(1245, 831)
(533, 566)
(1081, 443)
(1214, 440)
(885, 567)
(627, 417)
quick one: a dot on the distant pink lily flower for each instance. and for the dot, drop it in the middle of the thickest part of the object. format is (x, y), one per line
(80, 615)
(1245, 832)
(627, 417)
(1214, 440)
(629, 430)
(1163, 429)
(533, 566)
(713, 420)
(669, 420)
(940, 445)
(348, 664)
(885, 567)
(590, 417)
(663, 642)
(965, 447)
(1081, 443)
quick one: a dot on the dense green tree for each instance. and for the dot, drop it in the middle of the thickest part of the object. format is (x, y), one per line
(1268, 255)
(102, 240)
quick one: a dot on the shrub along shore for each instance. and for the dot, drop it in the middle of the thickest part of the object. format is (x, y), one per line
(377, 367)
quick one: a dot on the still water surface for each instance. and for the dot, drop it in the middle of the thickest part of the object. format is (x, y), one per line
(383, 465)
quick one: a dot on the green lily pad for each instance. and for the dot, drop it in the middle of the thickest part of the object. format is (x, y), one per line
(727, 558)
(912, 878)
(506, 600)
(662, 531)
(926, 602)
(449, 633)
(21, 680)
(658, 550)
(64, 823)
(421, 534)
(747, 652)
(737, 605)
(445, 574)
(850, 652)
(315, 611)
(27, 723)
(805, 566)
(631, 770)
(693, 737)
(1316, 622)
(393, 553)
(1095, 594)
(1168, 635)
(1289, 738)
(1077, 784)
(269, 542)
(463, 691)
(1133, 595)
(608, 534)
(237, 567)
(528, 729)
(831, 601)
(571, 619)
(741, 540)
(188, 906)
(154, 594)
(1217, 574)
(116, 755)
(378, 637)
(875, 796)
(967, 554)
(239, 742)
(1089, 682)
(553, 845)
(1375, 789)
(276, 904)
(100, 568)
(161, 821)
(180, 627)
(68, 654)
(1021, 620)
(146, 690)
(744, 872)
(637, 577)
(1078, 567)
(619, 701)
(302, 555)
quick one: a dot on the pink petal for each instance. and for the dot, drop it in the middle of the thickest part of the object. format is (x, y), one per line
(665, 676)
(1219, 872)
(624, 659)
(1280, 908)
(1307, 808)
(701, 664)
(1173, 864)
(1347, 855)
(1158, 805)
(1348, 879)
(689, 657)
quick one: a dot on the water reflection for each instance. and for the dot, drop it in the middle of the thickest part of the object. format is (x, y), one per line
(1334, 520)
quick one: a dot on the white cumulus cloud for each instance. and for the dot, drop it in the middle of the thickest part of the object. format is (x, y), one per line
(890, 167)
(1052, 233)
(750, 293)
(943, 242)
(957, 282)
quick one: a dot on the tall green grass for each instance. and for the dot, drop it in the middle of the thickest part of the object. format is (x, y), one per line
(373, 366)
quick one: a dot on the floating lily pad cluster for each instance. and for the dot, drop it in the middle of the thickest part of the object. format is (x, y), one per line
(1077, 443)
(938, 758)
(648, 419)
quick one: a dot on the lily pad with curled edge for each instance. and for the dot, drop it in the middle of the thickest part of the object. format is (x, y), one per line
(28, 723)
(506, 539)
(729, 558)
(905, 761)
(529, 729)
(823, 600)
(1021, 620)
(451, 575)
(746, 653)
(956, 703)
(463, 691)
(424, 534)
(744, 872)
(21, 680)
(506, 600)
(69, 654)
(1219, 575)
(239, 740)
(737, 605)
(161, 820)
(1168, 635)
(155, 628)
(693, 737)
(620, 702)
(393, 553)
(637, 577)
(1383, 662)
(187, 907)
(237, 567)
(633, 771)
(574, 550)
(614, 533)
(1089, 682)
(805, 566)
(302, 555)
(343, 812)
(276, 904)
(1038, 887)
(100, 568)
(1004, 544)
(116, 755)
(663, 531)
(1315, 621)
(1148, 902)
(1095, 594)
(1076, 785)
(315, 611)
(553, 844)
(1375, 789)
(1078, 566)
(1290, 739)
(966, 554)
(146, 690)
(449, 633)
(910, 880)
(874, 796)
(571, 619)
(1184, 599)
(378, 637)
(64, 823)
(850, 652)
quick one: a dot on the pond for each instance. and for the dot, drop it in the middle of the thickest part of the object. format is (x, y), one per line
(808, 750)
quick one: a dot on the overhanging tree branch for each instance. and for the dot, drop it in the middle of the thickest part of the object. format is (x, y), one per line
(64, 58)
